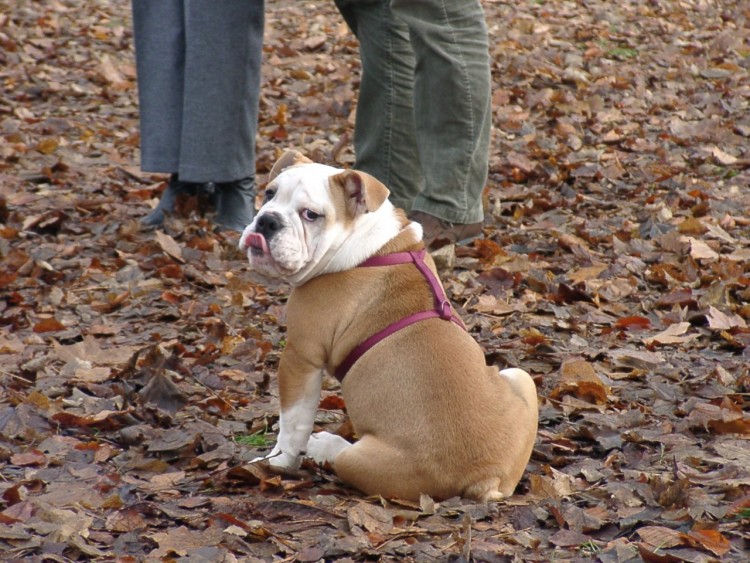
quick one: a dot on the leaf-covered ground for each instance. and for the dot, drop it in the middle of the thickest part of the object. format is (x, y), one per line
(137, 368)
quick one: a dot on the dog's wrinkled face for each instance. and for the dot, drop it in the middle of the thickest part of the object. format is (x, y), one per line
(317, 219)
(296, 224)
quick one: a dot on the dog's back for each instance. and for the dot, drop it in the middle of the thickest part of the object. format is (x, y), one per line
(464, 429)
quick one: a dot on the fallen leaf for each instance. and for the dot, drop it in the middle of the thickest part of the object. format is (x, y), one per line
(723, 157)
(11, 344)
(693, 226)
(661, 537)
(700, 250)
(165, 481)
(712, 540)
(90, 350)
(719, 419)
(332, 402)
(492, 305)
(633, 323)
(373, 518)
(721, 321)
(674, 334)
(556, 486)
(182, 540)
(169, 245)
(578, 378)
(50, 324)
(110, 72)
(29, 457)
(642, 359)
(588, 273)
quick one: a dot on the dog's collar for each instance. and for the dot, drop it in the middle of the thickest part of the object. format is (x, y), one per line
(442, 308)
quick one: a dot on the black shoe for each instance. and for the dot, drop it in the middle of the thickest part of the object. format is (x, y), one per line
(168, 200)
(235, 204)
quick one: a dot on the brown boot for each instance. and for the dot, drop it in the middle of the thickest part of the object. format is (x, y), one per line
(438, 232)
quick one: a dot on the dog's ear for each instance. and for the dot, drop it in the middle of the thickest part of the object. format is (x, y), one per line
(362, 193)
(289, 158)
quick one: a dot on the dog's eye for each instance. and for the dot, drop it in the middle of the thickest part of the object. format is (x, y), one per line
(268, 195)
(309, 215)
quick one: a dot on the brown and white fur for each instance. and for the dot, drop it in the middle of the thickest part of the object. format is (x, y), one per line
(431, 417)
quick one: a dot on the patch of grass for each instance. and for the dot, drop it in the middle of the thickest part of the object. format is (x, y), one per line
(589, 548)
(257, 440)
(622, 53)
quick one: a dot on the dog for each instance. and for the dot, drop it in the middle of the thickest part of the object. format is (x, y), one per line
(431, 417)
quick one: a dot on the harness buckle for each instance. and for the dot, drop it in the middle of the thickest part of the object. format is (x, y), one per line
(445, 310)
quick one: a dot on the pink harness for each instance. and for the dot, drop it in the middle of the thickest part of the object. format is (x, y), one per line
(442, 308)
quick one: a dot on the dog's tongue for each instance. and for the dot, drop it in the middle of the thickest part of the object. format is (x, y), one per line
(258, 241)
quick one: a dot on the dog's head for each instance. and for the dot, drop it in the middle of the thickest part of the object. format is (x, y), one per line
(317, 219)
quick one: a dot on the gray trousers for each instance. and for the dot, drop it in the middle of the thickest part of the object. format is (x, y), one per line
(423, 116)
(198, 65)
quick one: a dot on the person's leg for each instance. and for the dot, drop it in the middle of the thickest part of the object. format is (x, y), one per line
(160, 63)
(452, 95)
(159, 32)
(224, 42)
(384, 135)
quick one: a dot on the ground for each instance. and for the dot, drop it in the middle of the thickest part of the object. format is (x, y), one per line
(138, 367)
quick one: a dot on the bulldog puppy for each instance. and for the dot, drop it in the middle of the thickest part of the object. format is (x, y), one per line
(430, 416)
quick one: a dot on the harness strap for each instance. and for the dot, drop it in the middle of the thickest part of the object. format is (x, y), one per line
(442, 308)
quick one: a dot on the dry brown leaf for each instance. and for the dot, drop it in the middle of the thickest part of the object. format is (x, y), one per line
(740, 255)
(125, 520)
(578, 378)
(427, 504)
(692, 226)
(724, 419)
(521, 162)
(182, 540)
(721, 321)
(712, 540)
(91, 351)
(169, 245)
(641, 359)
(67, 524)
(587, 273)
(556, 486)
(700, 250)
(674, 334)
(30, 457)
(110, 73)
(164, 482)
(661, 537)
(50, 324)
(722, 157)
(48, 145)
(373, 518)
(492, 305)
(10, 344)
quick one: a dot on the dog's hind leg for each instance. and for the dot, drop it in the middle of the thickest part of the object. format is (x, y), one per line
(521, 384)
(325, 447)
(487, 490)
(378, 468)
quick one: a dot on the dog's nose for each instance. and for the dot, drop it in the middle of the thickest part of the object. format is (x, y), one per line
(267, 225)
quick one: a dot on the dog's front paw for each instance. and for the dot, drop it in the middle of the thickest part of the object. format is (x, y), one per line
(324, 447)
(280, 460)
